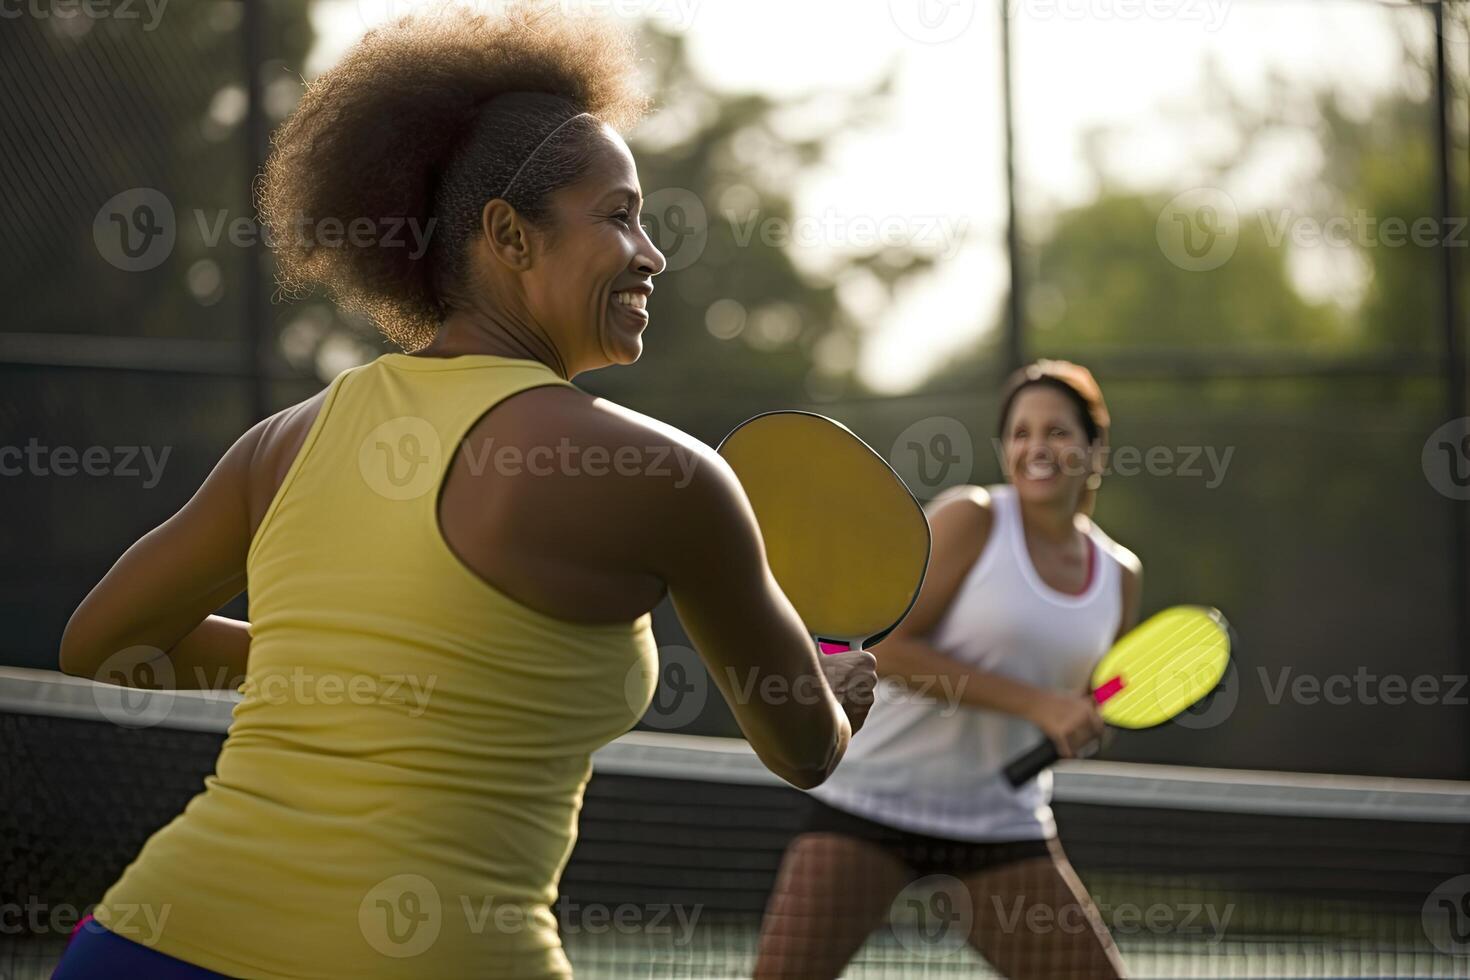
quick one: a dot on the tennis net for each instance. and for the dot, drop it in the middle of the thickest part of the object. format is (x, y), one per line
(1198, 873)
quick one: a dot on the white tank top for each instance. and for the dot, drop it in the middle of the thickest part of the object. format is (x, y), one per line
(922, 762)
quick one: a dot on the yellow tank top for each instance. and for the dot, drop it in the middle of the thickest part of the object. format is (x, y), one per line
(399, 788)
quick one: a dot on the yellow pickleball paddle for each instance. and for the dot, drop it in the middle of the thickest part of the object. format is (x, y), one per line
(845, 539)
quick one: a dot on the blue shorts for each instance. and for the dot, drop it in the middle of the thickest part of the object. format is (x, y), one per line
(95, 953)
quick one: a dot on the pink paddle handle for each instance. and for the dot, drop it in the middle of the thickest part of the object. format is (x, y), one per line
(1107, 689)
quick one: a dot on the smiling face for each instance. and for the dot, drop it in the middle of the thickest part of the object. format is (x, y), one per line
(590, 284)
(1046, 447)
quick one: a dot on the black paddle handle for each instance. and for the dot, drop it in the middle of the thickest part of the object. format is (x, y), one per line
(1024, 768)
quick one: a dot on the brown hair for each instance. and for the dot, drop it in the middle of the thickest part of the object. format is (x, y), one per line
(1078, 384)
(426, 120)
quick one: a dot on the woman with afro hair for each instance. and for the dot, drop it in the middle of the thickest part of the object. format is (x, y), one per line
(451, 552)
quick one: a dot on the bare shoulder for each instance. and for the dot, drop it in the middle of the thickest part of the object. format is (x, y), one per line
(602, 437)
(267, 450)
(968, 507)
(974, 495)
(293, 422)
(653, 494)
(960, 522)
(960, 519)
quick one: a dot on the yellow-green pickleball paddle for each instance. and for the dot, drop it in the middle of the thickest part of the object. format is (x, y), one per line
(1157, 670)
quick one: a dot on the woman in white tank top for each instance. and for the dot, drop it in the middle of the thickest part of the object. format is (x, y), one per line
(1023, 595)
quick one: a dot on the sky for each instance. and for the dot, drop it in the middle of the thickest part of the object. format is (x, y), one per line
(930, 172)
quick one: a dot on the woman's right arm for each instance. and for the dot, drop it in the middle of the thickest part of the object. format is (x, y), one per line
(960, 523)
(711, 555)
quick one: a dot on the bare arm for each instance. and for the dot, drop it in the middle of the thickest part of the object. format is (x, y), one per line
(750, 637)
(149, 622)
(961, 521)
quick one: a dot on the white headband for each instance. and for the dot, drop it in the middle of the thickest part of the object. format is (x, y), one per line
(510, 183)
